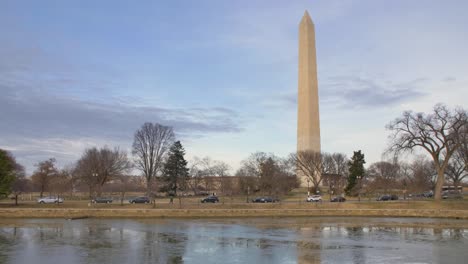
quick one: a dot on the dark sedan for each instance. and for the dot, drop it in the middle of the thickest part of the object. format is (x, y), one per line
(384, 198)
(265, 200)
(387, 197)
(210, 199)
(142, 199)
(338, 199)
(102, 200)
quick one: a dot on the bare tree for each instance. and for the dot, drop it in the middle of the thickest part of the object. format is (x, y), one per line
(247, 183)
(21, 184)
(73, 178)
(384, 175)
(253, 164)
(335, 171)
(96, 167)
(204, 174)
(123, 184)
(418, 176)
(439, 133)
(43, 175)
(250, 172)
(463, 150)
(150, 145)
(60, 182)
(274, 179)
(457, 170)
(195, 174)
(311, 165)
(221, 170)
(207, 173)
(266, 173)
(288, 179)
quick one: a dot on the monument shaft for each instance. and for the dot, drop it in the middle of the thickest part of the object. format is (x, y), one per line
(308, 120)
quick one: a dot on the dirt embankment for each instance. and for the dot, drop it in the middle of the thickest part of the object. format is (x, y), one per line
(70, 213)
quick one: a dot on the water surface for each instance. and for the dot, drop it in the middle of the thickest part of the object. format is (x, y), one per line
(251, 240)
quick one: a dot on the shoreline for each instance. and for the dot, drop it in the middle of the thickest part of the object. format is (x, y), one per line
(76, 213)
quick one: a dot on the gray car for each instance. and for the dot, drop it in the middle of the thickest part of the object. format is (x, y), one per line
(452, 194)
(102, 200)
(49, 199)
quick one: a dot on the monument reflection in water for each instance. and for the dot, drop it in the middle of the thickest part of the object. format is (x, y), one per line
(284, 240)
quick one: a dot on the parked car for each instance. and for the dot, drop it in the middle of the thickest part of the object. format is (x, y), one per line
(141, 199)
(314, 198)
(210, 199)
(50, 199)
(102, 200)
(416, 195)
(387, 197)
(428, 194)
(338, 199)
(452, 194)
(266, 199)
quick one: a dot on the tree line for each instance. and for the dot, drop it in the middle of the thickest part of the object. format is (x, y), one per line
(442, 134)
(160, 158)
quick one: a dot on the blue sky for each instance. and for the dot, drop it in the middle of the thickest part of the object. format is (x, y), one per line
(77, 74)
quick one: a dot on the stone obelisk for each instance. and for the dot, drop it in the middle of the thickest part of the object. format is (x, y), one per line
(308, 120)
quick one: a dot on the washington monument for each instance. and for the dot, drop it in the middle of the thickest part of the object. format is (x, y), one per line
(308, 120)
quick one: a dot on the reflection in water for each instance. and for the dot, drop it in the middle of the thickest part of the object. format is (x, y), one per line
(283, 240)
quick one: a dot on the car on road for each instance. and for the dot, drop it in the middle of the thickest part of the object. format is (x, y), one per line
(387, 197)
(428, 194)
(102, 200)
(141, 199)
(210, 199)
(338, 199)
(383, 198)
(314, 198)
(50, 199)
(266, 199)
(452, 194)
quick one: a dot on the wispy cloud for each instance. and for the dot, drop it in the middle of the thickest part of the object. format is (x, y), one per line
(39, 113)
(359, 92)
(36, 126)
(354, 92)
(449, 79)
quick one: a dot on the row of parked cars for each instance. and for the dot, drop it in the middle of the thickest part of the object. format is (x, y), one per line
(140, 199)
(56, 200)
(263, 199)
(318, 198)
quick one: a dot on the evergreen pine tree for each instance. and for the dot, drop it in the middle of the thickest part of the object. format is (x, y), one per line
(356, 168)
(7, 172)
(175, 169)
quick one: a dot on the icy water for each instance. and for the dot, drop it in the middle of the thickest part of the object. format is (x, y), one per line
(251, 240)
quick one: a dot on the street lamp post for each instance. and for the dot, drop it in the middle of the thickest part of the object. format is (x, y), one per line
(308, 188)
